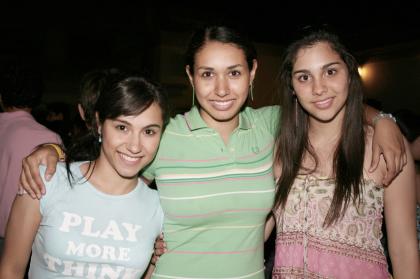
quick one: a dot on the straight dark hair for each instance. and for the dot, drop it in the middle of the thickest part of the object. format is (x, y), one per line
(293, 142)
(121, 95)
(222, 34)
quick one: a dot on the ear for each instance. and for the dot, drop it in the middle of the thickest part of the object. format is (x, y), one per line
(189, 74)
(253, 70)
(81, 112)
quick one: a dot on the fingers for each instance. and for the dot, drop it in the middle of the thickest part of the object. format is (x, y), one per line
(376, 153)
(405, 159)
(26, 180)
(392, 166)
(154, 260)
(404, 154)
(21, 191)
(160, 246)
(34, 178)
(159, 249)
(52, 162)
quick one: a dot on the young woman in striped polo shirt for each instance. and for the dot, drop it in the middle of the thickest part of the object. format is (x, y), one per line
(213, 168)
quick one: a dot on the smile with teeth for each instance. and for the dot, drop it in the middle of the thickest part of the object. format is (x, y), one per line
(324, 103)
(222, 105)
(129, 158)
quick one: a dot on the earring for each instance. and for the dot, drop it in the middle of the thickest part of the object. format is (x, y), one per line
(296, 112)
(193, 95)
(100, 138)
(251, 93)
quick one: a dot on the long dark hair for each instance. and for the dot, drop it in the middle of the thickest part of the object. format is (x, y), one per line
(222, 34)
(292, 140)
(121, 95)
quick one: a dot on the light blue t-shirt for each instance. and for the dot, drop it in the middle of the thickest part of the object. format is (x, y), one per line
(85, 233)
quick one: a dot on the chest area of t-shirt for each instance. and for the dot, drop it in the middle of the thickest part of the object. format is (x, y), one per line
(218, 194)
(207, 148)
(97, 238)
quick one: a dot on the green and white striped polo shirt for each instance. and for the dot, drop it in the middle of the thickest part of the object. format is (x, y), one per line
(215, 197)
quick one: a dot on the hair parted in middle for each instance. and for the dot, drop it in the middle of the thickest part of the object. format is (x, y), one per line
(222, 34)
(293, 134)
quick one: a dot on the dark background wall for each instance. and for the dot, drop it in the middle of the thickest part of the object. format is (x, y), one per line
(67, 41)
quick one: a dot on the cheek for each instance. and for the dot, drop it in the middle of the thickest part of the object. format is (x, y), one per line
(152, 145)
(202, 89)
(241, 89)
(302, 92)
(300, 88)
(112, 140)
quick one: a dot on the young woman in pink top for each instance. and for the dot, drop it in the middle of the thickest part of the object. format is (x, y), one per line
(328, 208)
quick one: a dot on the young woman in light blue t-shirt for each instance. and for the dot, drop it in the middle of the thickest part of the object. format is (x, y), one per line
(98, 219)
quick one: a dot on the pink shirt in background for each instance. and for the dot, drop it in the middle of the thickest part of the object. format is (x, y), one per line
(19, 135)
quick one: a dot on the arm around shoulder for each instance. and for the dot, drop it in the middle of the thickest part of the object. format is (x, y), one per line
(30, 178)
(400, 216)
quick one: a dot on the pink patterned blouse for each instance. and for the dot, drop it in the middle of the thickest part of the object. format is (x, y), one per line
(350, 248)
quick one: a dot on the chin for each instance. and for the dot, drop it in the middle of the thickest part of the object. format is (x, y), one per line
(325, 118)
(225, 115)
(129, 173)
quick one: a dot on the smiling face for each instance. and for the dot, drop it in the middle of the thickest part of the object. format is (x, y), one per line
(221, 79)
(321, 82)
(130, 142)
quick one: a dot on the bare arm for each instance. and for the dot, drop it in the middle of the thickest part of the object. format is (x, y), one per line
(400, 214)
(30, 178)
(23, 224)
(388, 141)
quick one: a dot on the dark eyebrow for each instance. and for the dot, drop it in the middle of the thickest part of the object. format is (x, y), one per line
(146, 127)
(323, 67)
(122, 121)
(235, 66)
(153, 126)
(211, 69)
(205, 68)
(331, 64)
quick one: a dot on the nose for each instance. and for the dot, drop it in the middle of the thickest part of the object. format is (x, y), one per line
(222, 86)
(318, 86)
(134, 144)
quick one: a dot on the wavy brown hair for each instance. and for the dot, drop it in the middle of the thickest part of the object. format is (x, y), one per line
(293, 141)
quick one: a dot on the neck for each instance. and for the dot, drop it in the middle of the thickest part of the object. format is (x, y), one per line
(325, 132)
(224, 128)
(323, 137)
(106, 180)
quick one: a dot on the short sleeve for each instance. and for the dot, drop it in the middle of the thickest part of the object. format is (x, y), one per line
(271, 116)
(55, 188)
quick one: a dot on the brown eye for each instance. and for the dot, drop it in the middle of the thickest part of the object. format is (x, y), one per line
(303, 78)
(150, 132)
(206, 74)
(121, 127)
(331, 72)
(235, 73)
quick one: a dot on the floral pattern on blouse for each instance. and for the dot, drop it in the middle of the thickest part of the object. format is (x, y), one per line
(349, 248)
